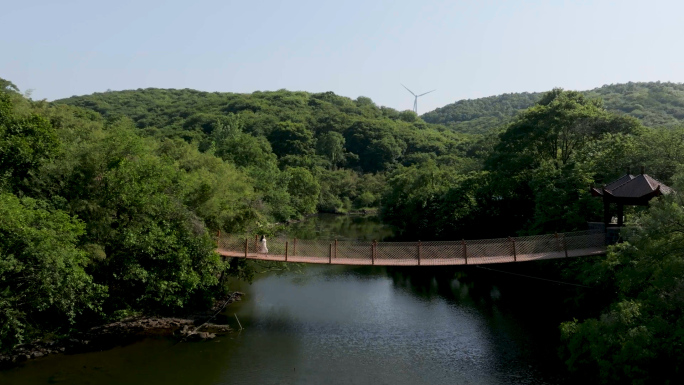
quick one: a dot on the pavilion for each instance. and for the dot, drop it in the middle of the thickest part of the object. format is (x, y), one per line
(628, 190)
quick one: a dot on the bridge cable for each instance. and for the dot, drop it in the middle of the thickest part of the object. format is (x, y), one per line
(541, 279)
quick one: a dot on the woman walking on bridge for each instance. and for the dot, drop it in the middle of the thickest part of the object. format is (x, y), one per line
(263, 248)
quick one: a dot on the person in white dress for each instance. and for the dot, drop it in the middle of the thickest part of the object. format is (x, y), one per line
(263, 248)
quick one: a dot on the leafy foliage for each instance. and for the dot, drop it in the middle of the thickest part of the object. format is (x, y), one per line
(535, 180)
(43, 282)
(25, 142)
(639, 338)
(481, 115)
(656, 104)
(265, 133)
(146, 208)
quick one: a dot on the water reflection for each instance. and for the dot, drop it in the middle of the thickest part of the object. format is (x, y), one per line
(354, 326)
(521, 316)
(341, 227)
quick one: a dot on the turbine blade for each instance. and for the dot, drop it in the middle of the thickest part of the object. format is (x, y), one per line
(427, 93)
(408, 89)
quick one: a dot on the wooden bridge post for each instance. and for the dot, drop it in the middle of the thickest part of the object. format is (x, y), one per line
(286, 246)
(373, 246)
(246, 246)
(330, 254)
(335, 248)
(218, 239)
(565, 246)
(465, 251)
(419, 244)
(558, 243)
(515, 257)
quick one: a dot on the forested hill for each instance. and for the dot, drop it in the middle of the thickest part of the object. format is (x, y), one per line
(655, 104)
(341, 147)
(187, 110)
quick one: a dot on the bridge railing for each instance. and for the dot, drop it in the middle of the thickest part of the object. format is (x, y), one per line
(481, 251)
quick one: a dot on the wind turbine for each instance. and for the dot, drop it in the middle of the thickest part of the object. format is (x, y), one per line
(415, 101)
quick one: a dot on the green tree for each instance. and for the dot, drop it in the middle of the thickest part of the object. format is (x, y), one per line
(375, 144)
(535, 175)
(216, 191)
(338, 189)
(413, 196)
(142, 214)
(560, 124)
(8, 86)
(43, 283)
(661, 152)
(303, 189)
(25, 142)
(289, 138)
(331, 145)
(639, 338)
(245, 150)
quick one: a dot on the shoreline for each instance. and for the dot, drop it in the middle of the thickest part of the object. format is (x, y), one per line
(192, 327)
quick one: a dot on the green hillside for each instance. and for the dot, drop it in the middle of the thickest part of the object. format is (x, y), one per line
(655, 104)
(342, 147)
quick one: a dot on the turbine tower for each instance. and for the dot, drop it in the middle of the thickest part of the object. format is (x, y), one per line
(415, 101)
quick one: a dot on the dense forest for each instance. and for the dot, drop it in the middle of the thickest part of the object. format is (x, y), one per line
(109, 201)
(655, 104)
(306, 152)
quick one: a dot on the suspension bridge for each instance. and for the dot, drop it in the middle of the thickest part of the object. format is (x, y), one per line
(435, 253)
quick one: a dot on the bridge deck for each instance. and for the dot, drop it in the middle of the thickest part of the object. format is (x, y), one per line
(413, 261)
(474, 252)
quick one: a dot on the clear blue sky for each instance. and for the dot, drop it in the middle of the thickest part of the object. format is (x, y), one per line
(464, 49)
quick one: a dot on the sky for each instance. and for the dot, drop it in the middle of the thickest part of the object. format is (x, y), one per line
(463, 49)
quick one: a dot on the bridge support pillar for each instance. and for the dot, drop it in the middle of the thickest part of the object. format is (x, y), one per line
(419, 246)
(465, 251)
(562, 246)
(286, 247)
(515, 256)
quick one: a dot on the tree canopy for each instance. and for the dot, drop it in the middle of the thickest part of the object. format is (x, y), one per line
(265, 133)
(639, 335)
(655, 104)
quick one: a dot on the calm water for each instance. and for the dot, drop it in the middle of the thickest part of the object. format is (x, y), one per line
(345, 325)
(341, 227)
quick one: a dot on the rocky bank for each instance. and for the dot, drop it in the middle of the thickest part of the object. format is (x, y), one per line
(193, 327)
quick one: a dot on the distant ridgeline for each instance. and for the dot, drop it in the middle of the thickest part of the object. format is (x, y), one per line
(655, 104)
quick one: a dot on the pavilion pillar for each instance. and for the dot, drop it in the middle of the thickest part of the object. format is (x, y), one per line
(606, 213)
(620, 214)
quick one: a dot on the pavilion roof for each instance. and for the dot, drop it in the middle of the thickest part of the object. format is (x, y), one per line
(630, 186)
